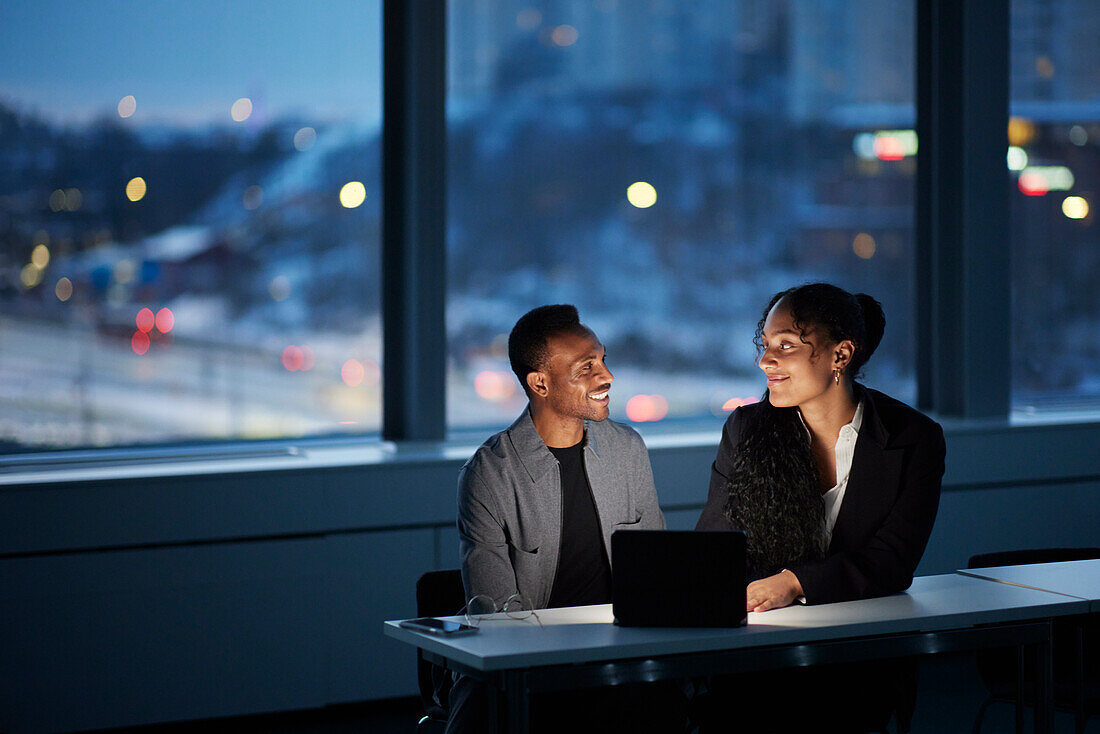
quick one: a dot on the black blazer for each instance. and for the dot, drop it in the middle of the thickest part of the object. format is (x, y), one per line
(888, 509)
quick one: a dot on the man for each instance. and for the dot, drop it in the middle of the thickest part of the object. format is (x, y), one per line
(537, 503)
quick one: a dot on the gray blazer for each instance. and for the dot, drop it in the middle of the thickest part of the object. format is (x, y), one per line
(509, 505)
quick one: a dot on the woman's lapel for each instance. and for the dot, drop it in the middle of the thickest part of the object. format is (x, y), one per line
(872, 483)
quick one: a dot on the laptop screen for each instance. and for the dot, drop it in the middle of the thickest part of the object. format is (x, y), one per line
(678, 578)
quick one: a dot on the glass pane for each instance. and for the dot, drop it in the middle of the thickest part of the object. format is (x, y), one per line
(1054, 134)
(667, 167)
(189, 221)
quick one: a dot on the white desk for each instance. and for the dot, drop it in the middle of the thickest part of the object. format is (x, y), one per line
(581, 647)
(1078, 579)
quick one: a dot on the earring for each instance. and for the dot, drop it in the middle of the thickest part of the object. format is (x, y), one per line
(836, 376)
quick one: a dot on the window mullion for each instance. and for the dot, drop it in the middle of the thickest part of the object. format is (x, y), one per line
(963, 269)
(413, 220)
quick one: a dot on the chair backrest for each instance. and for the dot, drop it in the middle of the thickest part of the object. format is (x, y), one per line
(438, 594)
(1037, 555)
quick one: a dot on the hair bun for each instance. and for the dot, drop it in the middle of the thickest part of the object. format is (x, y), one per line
(874, 319)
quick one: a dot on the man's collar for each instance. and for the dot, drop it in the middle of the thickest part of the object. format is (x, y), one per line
(531, 449)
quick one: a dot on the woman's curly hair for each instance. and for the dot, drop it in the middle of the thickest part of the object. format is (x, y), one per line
(774, 494)
(774, 491)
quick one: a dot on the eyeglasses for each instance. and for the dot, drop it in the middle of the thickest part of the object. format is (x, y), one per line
(480, 606)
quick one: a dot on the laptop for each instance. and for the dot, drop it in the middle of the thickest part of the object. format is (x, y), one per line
(678, 578)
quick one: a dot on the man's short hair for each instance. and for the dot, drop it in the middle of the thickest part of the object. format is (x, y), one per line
(527, 344)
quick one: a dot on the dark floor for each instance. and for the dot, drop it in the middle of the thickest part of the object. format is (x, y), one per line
(394, 716)
(949, 698)
(950, 694)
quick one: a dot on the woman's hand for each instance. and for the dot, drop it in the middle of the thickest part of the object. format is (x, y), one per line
(773, 592)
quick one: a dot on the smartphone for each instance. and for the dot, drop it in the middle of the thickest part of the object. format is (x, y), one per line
(440, 627)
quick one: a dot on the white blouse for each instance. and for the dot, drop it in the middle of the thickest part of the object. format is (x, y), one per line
(845, 451)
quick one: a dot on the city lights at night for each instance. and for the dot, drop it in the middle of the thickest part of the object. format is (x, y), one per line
(165, 320)
(646, 408)
(1016, 158)
(292, 358)
(210, 208)
(735, 403)
(1075, 207)
(641, 194)
(353, 194)
(305, 138)
(564, 35)
(352, 373)
(495, 386)
(140, 342)
(127, 106)
(136, 188)
(864, 245)
(40, 256)
(241, 109)
(64, 289)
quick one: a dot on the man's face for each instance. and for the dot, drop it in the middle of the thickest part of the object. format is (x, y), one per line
(577, 380)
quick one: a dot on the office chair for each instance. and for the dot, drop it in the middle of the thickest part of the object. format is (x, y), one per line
(438, 594)
(1075, 645)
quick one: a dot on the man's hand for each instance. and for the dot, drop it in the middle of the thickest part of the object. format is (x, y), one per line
(773, 592)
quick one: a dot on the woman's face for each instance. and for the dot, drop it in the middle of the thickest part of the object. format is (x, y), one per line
(798, 364)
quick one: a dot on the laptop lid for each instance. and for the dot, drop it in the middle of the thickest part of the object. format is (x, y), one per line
(678, 578)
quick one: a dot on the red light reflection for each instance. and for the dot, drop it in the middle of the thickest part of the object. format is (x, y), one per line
(735, 403)
(352, 373)
(643, 408)
(165, 320)
(494, 386)
(139, 342)
(145, 320)
(292, 358)
(1033, 184)
(372, 372)
(889, 148)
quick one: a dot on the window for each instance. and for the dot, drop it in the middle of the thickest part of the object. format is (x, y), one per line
(189, 206)
(667, 167)
(189, 221)
(1055, 158)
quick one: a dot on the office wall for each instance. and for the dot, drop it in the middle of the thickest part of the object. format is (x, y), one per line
(141, 600)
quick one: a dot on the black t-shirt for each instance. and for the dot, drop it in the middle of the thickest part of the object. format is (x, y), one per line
(584, 573)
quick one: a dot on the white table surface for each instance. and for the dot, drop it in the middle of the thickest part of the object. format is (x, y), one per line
(587, 634)
(1078, 579)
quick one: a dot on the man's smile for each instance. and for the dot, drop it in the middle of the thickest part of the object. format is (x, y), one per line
(601, 395)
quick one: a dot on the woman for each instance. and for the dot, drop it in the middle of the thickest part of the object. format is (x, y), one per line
(835, 485)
